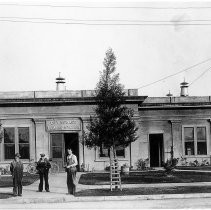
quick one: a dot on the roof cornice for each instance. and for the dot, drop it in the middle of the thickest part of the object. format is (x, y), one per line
(63, 101)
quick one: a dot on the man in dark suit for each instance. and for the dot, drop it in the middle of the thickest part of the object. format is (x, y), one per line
(16, 168)
(43, 167)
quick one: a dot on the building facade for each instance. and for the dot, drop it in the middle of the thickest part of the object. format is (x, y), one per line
(49, 122)
(178, 123)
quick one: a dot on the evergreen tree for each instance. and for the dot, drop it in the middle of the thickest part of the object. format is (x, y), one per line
(112, 126)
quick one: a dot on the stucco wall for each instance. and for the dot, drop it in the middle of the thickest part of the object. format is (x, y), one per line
(35, 117)
(161, 120)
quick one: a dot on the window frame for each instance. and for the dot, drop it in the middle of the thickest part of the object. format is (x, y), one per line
(52, 147)
(106, 159)
(109, 152)
(16, 139)
(195, 139)
(18, 142)
(8, 143)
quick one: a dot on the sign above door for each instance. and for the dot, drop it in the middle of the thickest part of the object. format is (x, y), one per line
(63, 125)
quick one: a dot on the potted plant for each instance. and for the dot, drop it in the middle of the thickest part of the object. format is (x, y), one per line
(125, 168)
(107, 168)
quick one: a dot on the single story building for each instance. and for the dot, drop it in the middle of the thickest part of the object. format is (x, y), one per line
(49, 122)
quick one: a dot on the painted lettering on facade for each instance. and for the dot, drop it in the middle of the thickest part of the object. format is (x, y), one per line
(63, 125)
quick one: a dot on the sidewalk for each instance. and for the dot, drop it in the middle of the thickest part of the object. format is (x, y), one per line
(58, 192)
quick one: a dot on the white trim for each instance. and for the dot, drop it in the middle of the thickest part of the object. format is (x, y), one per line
(16, 140)
(170, 117)
(105, 159)
(195, 140)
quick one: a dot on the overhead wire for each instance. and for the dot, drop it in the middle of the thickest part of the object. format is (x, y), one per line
(204, 72)
(88, 22)
(171, 75)
(104, 7)
(105, 20)
(137, 22)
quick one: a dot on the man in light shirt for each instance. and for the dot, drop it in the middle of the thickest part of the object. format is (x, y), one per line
(71, 172)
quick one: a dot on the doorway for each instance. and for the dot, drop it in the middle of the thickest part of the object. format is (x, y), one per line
(60, 142)
(156, 150)
(71, 141)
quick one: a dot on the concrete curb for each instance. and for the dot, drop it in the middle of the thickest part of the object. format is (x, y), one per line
(69, 198)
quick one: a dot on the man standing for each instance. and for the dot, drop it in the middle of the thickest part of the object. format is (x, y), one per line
(43, 167)
(71, 172)
(16, 168)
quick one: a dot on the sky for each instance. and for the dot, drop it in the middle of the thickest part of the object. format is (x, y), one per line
(34, 51)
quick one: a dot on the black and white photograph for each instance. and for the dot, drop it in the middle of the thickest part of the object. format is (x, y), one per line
(105, 104)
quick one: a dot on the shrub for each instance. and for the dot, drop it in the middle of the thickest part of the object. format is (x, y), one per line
(125, 165)
(142, 164)
(107, 168)
(169, 165)
(204, 163)
(194, 163)
(184, 161)
(82, 167)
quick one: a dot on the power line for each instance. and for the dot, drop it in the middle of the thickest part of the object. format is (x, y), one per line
(103, 7)
(186, 69)
(105, 20)
(53, 21)
(204, 72)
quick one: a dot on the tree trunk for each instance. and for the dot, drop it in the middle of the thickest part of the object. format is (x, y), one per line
(113, 153)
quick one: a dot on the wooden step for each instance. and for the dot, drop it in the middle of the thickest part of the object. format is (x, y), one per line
(115, 178)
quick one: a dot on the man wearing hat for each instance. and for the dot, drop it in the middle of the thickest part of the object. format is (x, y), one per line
(43, 167)
(16, 168)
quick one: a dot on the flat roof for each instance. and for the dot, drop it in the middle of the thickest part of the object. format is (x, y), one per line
(176, 102)
(56, 94)
(49, 98)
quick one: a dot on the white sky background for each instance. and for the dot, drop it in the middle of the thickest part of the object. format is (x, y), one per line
(33, 54)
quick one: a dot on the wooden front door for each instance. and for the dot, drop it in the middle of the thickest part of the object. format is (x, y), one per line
(57, 149)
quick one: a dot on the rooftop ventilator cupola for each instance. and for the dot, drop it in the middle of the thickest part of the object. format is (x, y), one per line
(184, 89)
(60, 83)
(169, 94)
